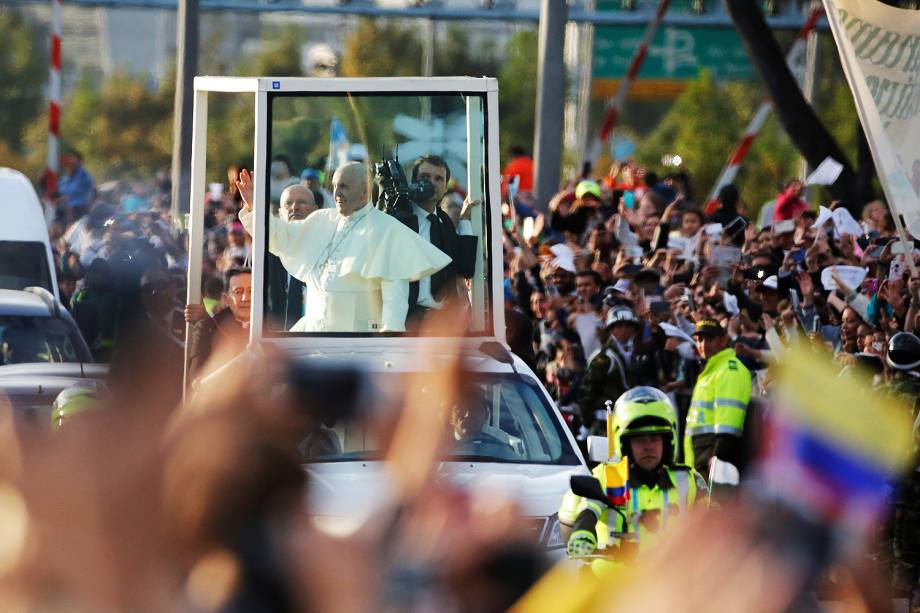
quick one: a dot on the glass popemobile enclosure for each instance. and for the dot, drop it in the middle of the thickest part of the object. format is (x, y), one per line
(374, 202)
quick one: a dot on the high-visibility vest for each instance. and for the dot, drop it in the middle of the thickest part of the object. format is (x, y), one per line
(720, 399)
(670, 502)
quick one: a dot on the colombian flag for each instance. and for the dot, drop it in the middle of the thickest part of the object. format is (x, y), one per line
(835, 444)
(617, 480)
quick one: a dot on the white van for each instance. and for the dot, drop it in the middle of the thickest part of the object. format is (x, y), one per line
(25, 249)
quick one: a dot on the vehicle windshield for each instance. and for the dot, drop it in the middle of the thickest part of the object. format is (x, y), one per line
(505, 420)
(25, 339)
(24, 264)
(367, 228)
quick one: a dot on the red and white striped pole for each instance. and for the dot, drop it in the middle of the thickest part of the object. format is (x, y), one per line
(619, 99)
(794, 59)
(54, 102)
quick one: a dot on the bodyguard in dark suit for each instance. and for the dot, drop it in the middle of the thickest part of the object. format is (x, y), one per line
(433, 224)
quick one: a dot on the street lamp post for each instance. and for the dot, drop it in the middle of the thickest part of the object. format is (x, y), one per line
(186, 67)
(550, 100)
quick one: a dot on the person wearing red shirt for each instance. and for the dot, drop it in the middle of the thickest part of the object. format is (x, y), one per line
(520, 165)
(789, 204)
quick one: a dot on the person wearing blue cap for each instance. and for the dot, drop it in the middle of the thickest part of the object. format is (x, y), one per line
(313, 180)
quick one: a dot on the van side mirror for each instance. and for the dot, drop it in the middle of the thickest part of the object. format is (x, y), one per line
(588, 487)
(597, 448)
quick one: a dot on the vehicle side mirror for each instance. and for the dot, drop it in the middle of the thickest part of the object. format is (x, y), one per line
(588, 487)
(597, 448)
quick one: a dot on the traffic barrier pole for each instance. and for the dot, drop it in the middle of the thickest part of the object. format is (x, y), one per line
(54, 102)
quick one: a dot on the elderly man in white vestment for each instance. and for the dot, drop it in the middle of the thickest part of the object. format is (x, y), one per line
(355, 260)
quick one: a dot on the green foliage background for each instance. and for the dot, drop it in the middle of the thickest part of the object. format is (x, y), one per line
(125, 129)
(705, 124)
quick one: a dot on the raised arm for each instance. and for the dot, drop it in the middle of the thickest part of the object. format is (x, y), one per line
(283, 237)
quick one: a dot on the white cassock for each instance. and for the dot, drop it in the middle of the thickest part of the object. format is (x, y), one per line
(356, 269)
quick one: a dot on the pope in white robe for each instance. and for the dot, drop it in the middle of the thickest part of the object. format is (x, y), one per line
(355, 260)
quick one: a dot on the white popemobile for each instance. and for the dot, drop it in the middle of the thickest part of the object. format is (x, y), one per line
(509, 435)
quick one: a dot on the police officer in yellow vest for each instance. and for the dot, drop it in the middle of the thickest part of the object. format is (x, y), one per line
(644, 429)
(715, 422)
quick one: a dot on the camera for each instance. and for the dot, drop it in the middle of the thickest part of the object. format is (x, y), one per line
(396, 193)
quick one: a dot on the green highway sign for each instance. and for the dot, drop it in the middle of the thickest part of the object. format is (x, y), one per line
(676, 53)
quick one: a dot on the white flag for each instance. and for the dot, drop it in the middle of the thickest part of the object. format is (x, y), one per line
(824, 216)
(879, 49)
(826, 172)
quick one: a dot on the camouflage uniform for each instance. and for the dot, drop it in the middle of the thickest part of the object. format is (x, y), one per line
(905, 529)
(606, 378)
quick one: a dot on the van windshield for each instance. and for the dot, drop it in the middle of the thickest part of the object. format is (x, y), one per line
(24, 264)
(506, 420)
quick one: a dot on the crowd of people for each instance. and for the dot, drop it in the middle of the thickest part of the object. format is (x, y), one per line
(627, 280)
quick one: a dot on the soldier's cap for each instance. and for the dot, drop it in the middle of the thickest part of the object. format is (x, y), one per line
(709, 327)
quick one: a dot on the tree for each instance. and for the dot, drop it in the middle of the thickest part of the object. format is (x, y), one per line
(231, 121)
(454, 55)
(279, 56)
(23, 72)
(517, 91)
(719, 111)
(122, 128)
(798, 118)
(382, 48)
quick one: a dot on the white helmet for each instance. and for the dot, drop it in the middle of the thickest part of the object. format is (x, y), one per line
(621, 314)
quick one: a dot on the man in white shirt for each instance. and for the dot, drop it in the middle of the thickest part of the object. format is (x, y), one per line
(355, 260)
(584, 318)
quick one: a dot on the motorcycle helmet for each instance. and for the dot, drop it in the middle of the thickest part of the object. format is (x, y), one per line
(903, 351)
(78, 398)
(644, 410)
